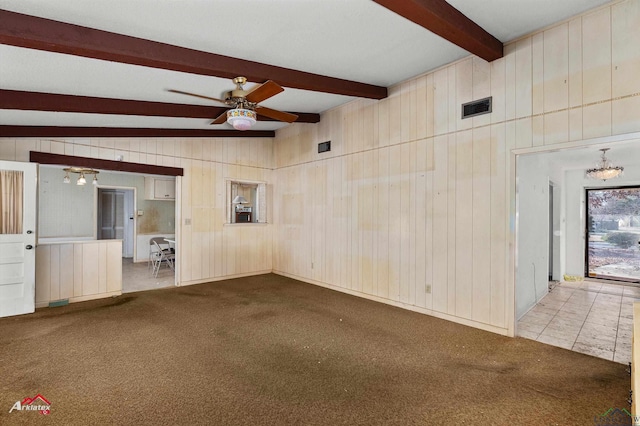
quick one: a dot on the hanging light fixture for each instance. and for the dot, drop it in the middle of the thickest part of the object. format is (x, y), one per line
(81, 171)
(239, 200)
(241, 118)
(604, 169)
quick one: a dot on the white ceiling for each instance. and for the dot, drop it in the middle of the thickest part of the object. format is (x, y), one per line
(356, 40)
(625, 154)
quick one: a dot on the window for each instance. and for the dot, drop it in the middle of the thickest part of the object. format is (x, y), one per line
(11, 201)
(246, 202)
(613, 233)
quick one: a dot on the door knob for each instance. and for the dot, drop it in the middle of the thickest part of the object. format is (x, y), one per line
(29, 247)
(29, 231)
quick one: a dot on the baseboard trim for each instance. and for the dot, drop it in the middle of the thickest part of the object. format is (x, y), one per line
(82, 298)
(226, 277)
(470, 323)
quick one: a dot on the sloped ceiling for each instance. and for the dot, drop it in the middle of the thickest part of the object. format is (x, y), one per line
(114, 74)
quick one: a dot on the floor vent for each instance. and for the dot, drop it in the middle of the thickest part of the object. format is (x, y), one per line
(470, 109)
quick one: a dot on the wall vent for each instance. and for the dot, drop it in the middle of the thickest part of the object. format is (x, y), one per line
(324, 146)
(482, 106)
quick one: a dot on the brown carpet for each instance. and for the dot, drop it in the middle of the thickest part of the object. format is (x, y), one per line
(268, 350)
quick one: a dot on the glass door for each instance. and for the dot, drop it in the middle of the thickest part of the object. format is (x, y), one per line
(613, 233)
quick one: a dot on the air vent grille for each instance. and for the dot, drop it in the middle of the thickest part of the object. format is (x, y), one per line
(324, 146)
(471, 109)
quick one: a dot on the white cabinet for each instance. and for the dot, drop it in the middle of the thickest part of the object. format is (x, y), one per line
(159, 189)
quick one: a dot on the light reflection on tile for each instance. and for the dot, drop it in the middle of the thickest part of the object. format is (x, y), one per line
(588, 317)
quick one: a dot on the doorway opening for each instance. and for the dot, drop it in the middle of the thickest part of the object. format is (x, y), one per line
(115, 217)
(553, 209)
(613, 233)
(554, 231)
(135, 214)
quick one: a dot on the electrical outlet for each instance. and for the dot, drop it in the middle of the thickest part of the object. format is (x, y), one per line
(427, 289)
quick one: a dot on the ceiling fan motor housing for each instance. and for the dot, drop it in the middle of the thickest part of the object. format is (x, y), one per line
(237, 94)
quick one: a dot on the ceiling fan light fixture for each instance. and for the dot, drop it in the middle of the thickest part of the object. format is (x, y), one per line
(241, 119)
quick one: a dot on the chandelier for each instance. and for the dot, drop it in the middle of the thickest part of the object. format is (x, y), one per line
(604, 169)
(81, 171)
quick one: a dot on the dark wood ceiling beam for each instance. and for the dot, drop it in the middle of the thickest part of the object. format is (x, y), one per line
(36, 101)
(96, 163)
(32, 32)
(442, 19)
(125, 132)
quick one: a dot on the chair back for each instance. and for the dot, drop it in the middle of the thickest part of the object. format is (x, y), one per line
(157, 243)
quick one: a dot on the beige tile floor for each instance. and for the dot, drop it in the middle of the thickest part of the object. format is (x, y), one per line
(591, 317)
(138, 277)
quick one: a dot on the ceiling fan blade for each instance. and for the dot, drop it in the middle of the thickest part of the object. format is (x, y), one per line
(276, 115)
(264, 91)
(196, 95)
(220, 119)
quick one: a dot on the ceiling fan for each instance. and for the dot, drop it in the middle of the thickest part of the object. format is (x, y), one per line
(245, 104)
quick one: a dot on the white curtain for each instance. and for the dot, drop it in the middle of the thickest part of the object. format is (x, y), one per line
(11, 194)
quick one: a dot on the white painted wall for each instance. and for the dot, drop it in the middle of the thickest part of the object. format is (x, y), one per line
(533, 224)
(557, 231)
(67, 210)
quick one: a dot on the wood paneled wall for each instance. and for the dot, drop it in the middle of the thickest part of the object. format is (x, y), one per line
(208, 249)
(412, 205)
(78, 271)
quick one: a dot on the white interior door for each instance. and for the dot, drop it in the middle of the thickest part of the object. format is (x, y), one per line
(18, 184)
(115, 217)
(112, 214)
(129, 234)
